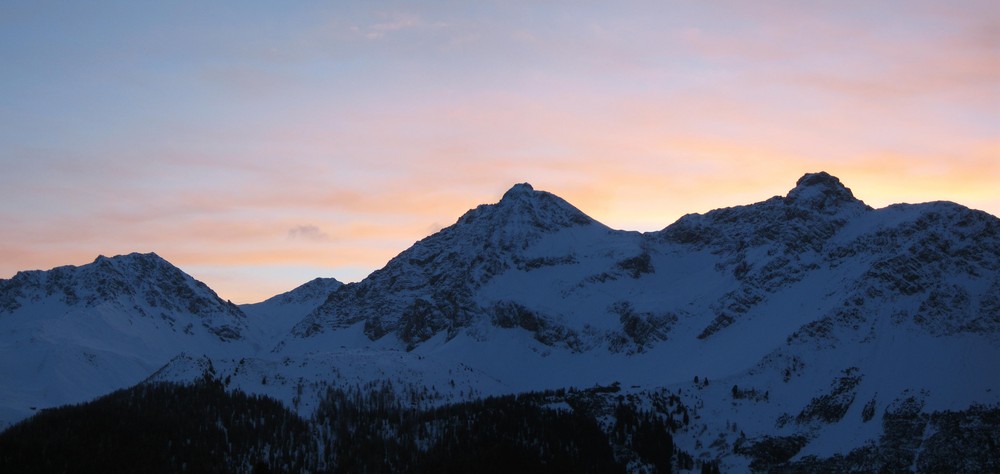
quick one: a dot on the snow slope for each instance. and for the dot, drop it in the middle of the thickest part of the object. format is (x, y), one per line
(785, 297)
(73, 333)
(274, 317)
(808, 320)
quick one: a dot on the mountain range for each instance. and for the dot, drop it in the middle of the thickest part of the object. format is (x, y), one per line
(807, 331)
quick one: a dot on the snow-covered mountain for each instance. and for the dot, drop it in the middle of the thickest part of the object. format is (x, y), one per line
(797, 300)
(73, 333)
(274, 317)
(431, 287)
(533, 262)
(809, 327)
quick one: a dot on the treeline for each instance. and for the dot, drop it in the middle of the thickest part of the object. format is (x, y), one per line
(204, 428)
(368, 429)
(162, 428)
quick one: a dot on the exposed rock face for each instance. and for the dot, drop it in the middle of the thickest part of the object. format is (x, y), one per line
(144, 285)
(838, 337)
(760, 251)
(73, 333)
(430, 287)
(317, 289)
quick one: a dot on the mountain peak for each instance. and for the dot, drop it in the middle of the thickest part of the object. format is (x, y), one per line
(317, 288)
(517, 191)
(522, 204)
(821, 178)
(821, 191)
(133, 267)
(150, 257)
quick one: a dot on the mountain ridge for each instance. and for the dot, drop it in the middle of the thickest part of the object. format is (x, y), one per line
(145, 278)
(76, 332)
(494, 233)
(796, 232)
(821, 322)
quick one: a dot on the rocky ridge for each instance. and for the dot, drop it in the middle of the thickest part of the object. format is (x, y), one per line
(836, 336)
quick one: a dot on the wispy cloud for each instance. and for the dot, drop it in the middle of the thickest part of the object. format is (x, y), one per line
(357, 127)
(308, 232)
(393, 22)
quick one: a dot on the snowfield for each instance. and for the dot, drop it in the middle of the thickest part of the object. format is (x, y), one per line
(806, 324)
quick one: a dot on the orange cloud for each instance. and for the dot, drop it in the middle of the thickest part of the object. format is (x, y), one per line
(637, 115)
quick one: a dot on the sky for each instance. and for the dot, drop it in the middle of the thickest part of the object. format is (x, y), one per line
(258, 145)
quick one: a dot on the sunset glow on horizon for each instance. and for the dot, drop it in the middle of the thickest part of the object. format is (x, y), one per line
(258, 146)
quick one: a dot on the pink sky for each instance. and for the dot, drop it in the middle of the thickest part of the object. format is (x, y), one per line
(259, 147)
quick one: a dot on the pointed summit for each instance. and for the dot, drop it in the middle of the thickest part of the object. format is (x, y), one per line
(316, 289)
(525, 208)
(517, 191)
(822, 192)
(427, 289)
